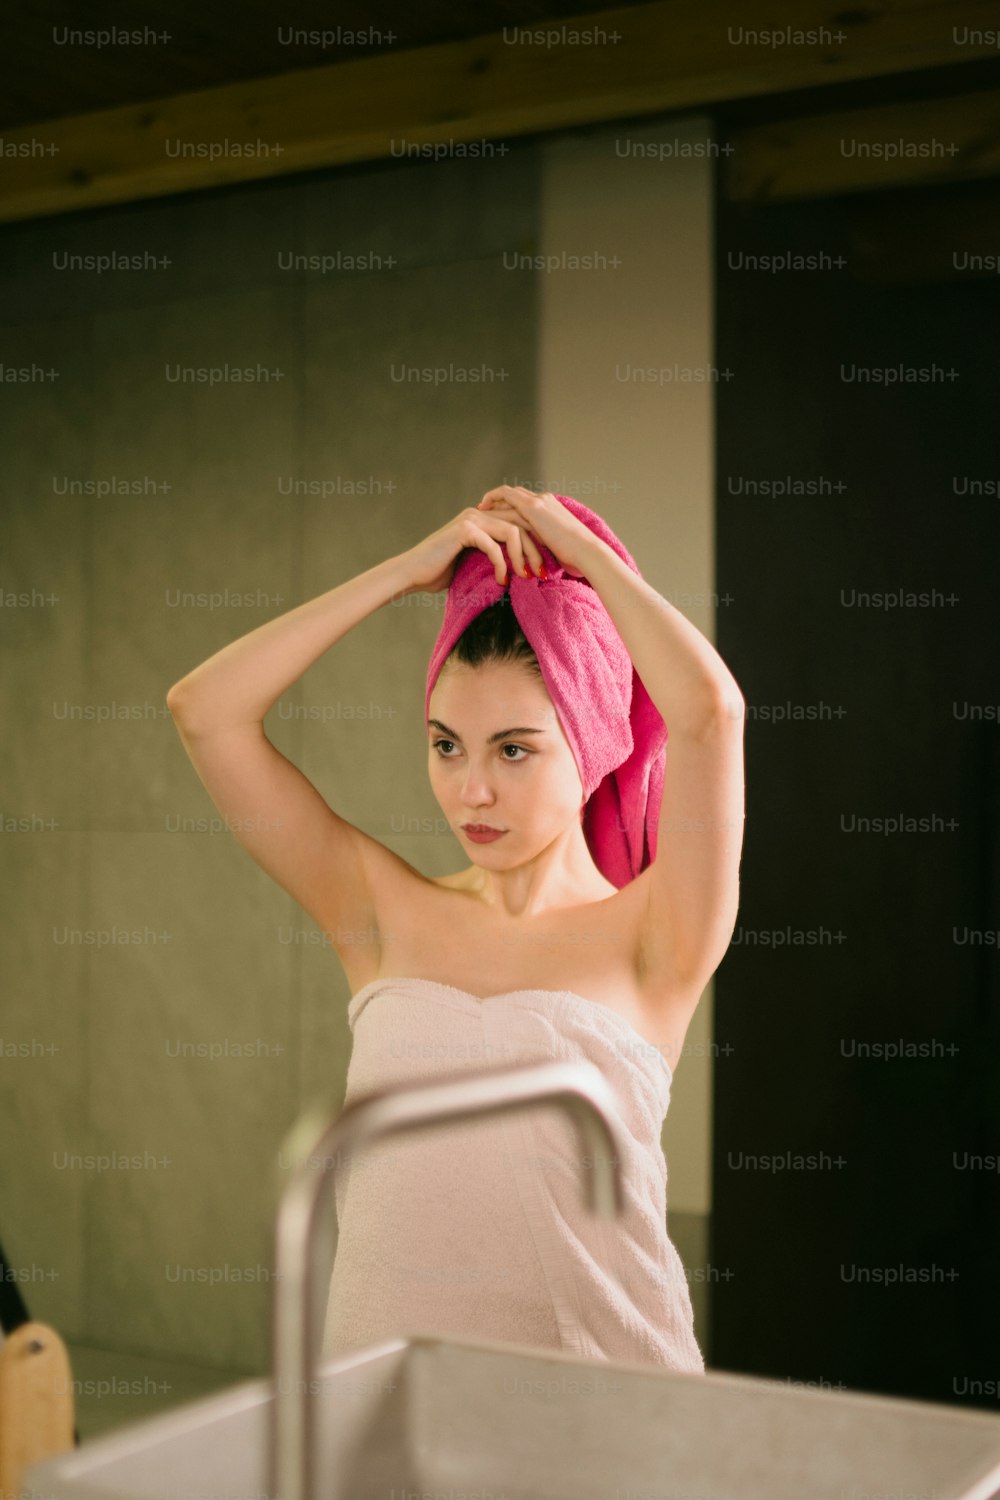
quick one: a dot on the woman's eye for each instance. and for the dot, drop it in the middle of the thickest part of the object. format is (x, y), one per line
(522, 752)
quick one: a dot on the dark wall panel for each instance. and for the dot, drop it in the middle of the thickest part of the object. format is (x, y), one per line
(875, 1265)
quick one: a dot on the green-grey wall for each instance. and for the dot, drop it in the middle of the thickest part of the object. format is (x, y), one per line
(224, 956)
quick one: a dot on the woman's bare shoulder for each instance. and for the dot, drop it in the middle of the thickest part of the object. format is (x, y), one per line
(395, 868)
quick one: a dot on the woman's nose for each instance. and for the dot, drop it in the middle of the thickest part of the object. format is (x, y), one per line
(477, 788)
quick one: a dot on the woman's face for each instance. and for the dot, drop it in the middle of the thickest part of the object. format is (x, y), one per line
(525, 783)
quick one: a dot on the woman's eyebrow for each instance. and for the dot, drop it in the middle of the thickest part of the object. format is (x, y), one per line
(501, 734)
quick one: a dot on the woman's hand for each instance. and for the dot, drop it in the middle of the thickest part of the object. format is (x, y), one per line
(431, 563)
(544, 517)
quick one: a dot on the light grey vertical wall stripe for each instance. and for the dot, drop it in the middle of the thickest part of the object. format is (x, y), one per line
(642, 198)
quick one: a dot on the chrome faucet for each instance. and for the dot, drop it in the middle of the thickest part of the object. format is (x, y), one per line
(306, 1215)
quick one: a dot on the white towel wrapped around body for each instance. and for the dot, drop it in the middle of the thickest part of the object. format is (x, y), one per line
(479, 1228)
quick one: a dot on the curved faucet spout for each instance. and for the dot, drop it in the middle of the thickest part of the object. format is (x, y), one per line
(305, 1212)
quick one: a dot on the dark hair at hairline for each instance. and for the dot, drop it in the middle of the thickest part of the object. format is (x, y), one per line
(494, 635)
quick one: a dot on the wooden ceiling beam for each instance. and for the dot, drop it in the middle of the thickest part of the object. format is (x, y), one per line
(909, 144)
(459, 96)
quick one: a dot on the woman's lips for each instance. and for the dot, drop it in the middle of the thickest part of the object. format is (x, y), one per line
(479, 834)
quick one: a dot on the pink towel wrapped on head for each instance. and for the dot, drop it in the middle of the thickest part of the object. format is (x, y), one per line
(613, 728)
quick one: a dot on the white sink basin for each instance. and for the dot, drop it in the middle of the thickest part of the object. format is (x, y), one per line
(446, 1416)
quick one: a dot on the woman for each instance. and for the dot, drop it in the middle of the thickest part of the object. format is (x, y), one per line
(531, 952)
